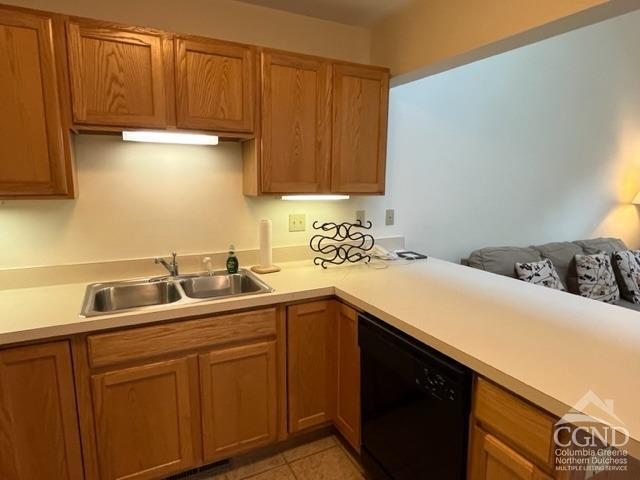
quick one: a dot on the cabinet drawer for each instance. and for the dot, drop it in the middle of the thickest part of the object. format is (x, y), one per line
(140, 343)
(518, 423)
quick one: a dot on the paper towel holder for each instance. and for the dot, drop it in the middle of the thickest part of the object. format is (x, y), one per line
(266, 261)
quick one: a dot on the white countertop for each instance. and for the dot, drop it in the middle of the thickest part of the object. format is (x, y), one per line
(545, 345)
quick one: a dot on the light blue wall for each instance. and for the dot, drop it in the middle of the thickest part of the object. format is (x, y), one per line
(534, 145)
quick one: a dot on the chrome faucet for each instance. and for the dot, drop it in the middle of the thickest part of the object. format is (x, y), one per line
(172, 267)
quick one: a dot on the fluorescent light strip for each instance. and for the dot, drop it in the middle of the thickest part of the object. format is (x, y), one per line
(319, 198)
(151, 136)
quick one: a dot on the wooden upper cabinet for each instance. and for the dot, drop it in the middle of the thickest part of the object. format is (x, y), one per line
(39, 424)
(215, 85)
(35, 153)
(296, 123)
(238, 398)
(360, 104)
(118, 75)
(144, 424)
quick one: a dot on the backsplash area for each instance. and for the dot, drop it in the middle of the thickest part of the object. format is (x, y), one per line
(142, 200)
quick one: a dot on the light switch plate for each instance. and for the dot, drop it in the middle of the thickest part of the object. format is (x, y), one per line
(389, 217)
(360, 215)
(297, 222)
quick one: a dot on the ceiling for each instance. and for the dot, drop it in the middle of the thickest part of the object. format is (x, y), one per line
(362, 13)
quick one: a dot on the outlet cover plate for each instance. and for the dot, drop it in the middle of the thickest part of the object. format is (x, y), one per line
(389, 217)
(297, 222)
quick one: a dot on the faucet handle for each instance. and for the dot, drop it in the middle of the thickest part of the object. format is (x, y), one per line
(174, 254)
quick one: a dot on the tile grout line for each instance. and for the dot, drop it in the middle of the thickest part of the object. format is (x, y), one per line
(295, 477)
(335, 444)
(265, 471)
(353, 461)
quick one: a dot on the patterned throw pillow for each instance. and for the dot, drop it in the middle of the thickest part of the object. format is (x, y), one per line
(596, 278)
(540, 273)
(628, 263)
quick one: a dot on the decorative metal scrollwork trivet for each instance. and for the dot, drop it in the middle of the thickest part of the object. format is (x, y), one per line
(340, 244)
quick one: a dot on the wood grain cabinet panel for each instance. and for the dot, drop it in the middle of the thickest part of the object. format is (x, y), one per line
(146, 342)
(348, 381)
(491, 459)
(239, 399)
(35, 155)
(143, 419)
(296, 123)
(360, 104)
(310, 356)
(39, 437)
(522, 425)
(215, 85)
(117, 75)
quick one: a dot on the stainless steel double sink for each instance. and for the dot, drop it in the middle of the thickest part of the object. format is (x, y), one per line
(128, 295)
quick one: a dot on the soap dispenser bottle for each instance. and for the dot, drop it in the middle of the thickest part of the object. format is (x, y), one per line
(232, 261)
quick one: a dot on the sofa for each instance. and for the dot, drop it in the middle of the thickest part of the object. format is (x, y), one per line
(502, 260)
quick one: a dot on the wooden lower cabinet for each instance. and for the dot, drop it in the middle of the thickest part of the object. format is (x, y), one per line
(309, 367)
(510, 438)
(347, 418)
(239, 399)
(491, 459)
(143, 418)
(324, 368)
(39, 438)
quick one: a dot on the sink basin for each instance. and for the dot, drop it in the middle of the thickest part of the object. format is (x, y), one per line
(226, 285)
(123, 297)
(112, 297)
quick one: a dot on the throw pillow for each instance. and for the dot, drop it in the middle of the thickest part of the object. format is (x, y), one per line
(596, 279)
(628, 264)
(540, 273)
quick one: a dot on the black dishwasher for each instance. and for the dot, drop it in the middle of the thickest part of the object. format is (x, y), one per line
(415, 407)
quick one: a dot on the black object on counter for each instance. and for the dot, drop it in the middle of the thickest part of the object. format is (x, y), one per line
(340, 244)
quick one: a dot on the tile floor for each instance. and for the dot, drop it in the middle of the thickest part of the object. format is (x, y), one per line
(322, 459)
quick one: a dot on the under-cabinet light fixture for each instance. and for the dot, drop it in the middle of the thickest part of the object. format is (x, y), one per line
(319, 198)
(151, 136)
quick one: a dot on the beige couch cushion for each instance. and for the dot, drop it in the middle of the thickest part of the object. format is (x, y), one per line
(502, 260)
(562, 255)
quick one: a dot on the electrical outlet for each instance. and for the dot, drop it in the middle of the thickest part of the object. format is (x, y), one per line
(360, 215)
(297, 222)
(389, 217)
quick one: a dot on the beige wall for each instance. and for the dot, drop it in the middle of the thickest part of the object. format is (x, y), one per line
(225, 19)
(140, 200)
(430, 34)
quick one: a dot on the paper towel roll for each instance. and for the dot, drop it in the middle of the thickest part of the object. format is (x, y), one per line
(266, 258)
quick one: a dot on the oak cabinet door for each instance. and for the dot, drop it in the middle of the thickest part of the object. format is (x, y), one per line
(39, 437)
(143, 421)
(34, 150)
(215, 85)
(239, 399)
(311, 377)
(117, 75)
(296, 123)
(348, 366)
(491, 459)
(360, 104)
